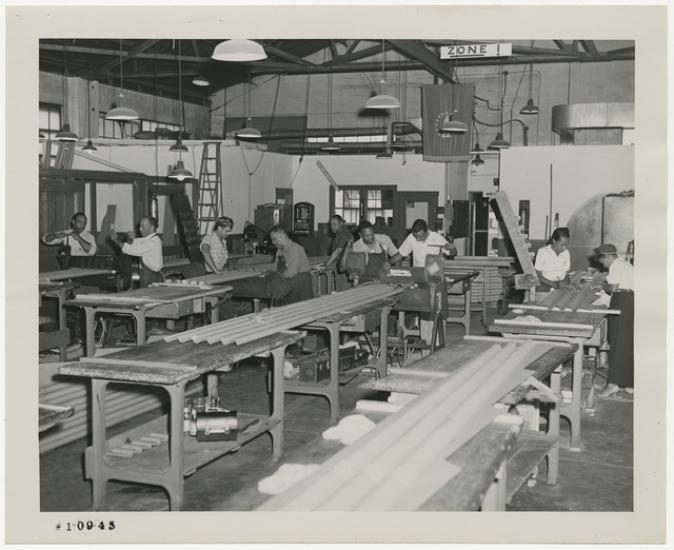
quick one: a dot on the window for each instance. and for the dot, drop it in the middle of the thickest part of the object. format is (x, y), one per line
(50, 119)
(355, 204)
(126, 130)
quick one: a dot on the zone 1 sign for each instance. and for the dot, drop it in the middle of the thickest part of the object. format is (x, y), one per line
(475, 50)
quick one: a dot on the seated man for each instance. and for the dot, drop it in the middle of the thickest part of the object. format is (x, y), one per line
(292, 264)
(78, 241)
(553, 261)
(214, 245)
(378, 248)
(148, 248)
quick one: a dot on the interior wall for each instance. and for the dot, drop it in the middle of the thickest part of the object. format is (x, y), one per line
(578, 175)
(407, 172)
(269, 170)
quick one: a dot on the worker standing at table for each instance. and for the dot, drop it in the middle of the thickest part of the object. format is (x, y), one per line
(148, 248)
(78, 241)
(377, 247)
(214, 245)
(619, 282)
(553, 261)
(420, 243)
(341, 236)
(292, 264)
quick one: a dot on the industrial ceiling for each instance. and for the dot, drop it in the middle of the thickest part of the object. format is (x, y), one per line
(151, 65)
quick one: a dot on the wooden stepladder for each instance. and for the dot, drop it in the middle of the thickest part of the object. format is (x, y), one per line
(511, 224)
(209, 206)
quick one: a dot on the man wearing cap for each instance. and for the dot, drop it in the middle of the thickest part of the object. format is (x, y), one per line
(619, 282)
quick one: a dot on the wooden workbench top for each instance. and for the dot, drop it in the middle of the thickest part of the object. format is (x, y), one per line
(148, 296)
(171, 363)
(72, 273)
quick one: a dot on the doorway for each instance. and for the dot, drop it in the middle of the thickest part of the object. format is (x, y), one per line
(413, 205)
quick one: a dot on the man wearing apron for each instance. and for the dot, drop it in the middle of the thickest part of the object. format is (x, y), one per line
(292, 264)
(148, 248)
(378, 249)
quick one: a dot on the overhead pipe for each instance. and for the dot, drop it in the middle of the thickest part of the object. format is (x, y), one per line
(402, 129)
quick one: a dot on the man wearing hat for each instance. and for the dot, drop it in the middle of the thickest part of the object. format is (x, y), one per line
(620, 284)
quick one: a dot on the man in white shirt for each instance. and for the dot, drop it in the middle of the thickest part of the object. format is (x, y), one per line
(422, 242)
(148, 248)
(378, 248)
(553, 261)
(620, 284)
(81, 242)
(214, 245)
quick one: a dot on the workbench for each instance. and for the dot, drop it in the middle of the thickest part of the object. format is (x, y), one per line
(480, 264)
(60, 337)
(531, 446)
(355, 319)
(72, 274)
(483, 480)
(171, 366)
(582, 329)
(461, 283)
(157, 301)
(479, 484)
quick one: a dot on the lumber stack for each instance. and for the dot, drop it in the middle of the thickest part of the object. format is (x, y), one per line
(570, 299)
(247, 328)
(401, 463)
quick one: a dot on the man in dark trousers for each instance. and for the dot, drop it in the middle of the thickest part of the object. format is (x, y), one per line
(292, 264)
(341, 236)
(148, 248)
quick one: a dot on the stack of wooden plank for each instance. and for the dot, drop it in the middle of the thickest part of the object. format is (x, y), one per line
(570, 299)
(401, 463)
(271, 321)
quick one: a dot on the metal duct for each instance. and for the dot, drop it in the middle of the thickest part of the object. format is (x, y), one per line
(401, 129)
(581, 116)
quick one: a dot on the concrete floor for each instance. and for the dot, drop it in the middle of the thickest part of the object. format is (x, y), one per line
(598, 478)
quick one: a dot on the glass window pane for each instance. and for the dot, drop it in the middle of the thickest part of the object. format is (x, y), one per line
(44, 119)
(54, 119)
(339, 198)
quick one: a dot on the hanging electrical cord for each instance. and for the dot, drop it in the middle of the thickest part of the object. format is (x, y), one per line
(271, 123)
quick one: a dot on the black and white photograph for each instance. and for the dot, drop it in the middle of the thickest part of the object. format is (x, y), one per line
(318, 273)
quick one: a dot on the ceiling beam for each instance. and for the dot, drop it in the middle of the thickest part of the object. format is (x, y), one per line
(199, 96)
(590, 47)
(355, 55)
(277, 52)
(351, 47)
(113, 53)
(333, 49)
(129, 54)
(405, 65)
(415, 50)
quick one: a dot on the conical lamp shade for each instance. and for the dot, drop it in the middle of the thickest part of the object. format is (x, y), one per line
(477, 161)
(238, 50)
(499, 142)
(530, 108)
(249, 132)
(382, 101)
(450, 126)
(180, 173)
(178, 146)
(477, 148)
(89, 146)
(330, 146)
(65, 134)
(121, 113)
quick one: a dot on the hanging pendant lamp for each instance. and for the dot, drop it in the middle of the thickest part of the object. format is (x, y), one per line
(239, 50)
(201, 80)
(180, 173)
(330, 146)
(451, 126)
(499, 142)
(382, 100)
(530, 108)
(477, 161)
(119, 112)
(248, 131)
(65, 134)
(89, 146)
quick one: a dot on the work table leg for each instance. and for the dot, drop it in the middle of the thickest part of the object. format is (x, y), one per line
(278, 405)
(553, 425)
(572, 410)
(333, 388)
(175, 479)
(98, 478)
(89, 331)
(139, 316)
(382, 362)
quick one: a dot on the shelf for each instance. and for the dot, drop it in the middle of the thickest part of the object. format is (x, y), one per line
(196, 453)
(528, 451)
